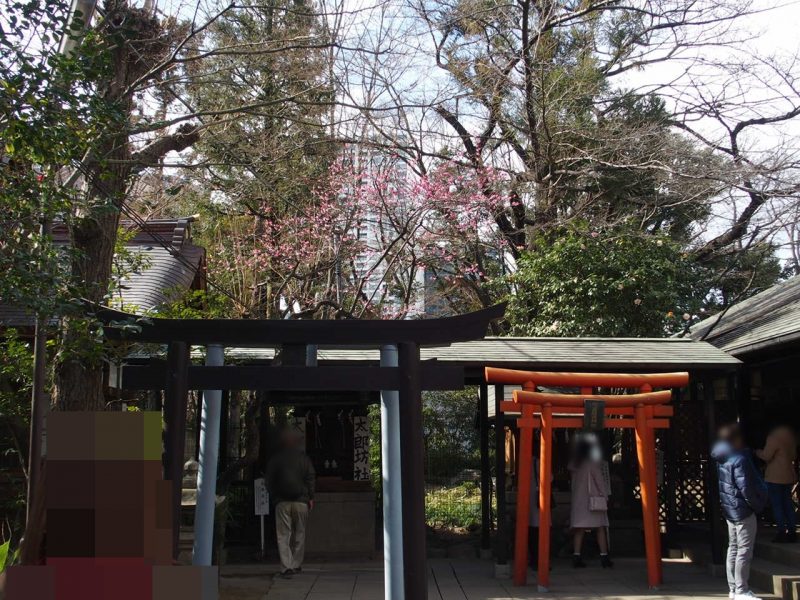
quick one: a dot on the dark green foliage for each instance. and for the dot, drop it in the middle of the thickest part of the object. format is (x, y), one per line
(50, 114)
(16, 359)
(626, 283)
(452, 442)
(589, 283)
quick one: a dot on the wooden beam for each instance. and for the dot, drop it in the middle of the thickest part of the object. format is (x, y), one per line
(577, 400)
(294, 378)
(351, 332)
(660, 410)
(555, 379)
(412, 468)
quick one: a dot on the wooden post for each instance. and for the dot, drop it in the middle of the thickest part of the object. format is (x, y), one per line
(545, 478)
(500, 475)
(646, 458)
(486, 492)
(198, 407)
(671, 477)
(262, 397)
(412, 468)
(176, 398)
(523, 497)
(223, 431)
(712, 484)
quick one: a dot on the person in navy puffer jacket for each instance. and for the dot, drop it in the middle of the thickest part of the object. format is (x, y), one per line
(743, 495)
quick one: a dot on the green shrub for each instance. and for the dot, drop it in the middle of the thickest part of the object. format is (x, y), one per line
(456, 506)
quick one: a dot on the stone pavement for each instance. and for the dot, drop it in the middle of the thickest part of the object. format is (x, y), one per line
(466, 579)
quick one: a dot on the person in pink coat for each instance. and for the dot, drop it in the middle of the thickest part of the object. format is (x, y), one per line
(589, 499)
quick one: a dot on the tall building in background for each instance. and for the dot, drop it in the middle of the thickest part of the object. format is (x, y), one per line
(374, 230)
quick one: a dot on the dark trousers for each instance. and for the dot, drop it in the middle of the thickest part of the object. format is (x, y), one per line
(780, 496)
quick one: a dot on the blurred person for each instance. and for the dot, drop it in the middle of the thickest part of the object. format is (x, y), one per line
(743, 495)
(290, 479)
(589, 499)
(780, 453)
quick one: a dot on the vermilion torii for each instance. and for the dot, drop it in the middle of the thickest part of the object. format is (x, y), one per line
(643, 411)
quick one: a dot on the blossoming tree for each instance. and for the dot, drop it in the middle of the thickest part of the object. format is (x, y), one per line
(374, 242)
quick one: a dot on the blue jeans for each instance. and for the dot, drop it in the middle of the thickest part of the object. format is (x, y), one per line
(780, 496)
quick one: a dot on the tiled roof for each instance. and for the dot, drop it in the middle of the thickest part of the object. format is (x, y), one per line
(164, 276)
(166, 270)
(765, 320)
(544, 353)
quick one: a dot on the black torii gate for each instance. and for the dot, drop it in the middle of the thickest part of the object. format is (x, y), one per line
(177, 376)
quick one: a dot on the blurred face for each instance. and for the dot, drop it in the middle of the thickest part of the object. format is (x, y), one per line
(290, 439)
(588, 447)
(732, 436)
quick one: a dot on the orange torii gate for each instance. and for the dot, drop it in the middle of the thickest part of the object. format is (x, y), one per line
(643, 412)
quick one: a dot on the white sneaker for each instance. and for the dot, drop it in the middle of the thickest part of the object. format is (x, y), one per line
(748, 595)
(731, 595)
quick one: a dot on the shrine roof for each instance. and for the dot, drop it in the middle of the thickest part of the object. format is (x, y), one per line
(541, 353)
(164, 263)
(765, 321)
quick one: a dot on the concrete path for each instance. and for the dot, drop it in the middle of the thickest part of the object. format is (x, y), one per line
(452, 579)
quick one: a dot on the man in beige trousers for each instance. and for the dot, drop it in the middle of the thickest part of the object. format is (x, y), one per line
(290, 480)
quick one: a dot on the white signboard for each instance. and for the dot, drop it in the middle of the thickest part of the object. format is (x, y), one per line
(360, 448)
(261, 496)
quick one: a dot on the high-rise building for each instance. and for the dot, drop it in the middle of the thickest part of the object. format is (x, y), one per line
(378, 270)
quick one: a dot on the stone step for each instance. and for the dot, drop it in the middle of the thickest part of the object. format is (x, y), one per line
(786, 554)
(781, 580)
(769, 579)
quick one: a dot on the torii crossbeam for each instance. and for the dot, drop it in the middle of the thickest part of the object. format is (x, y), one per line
(644, 412)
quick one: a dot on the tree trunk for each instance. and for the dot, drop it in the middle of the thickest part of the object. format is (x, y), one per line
(79, 365)
(136, 41)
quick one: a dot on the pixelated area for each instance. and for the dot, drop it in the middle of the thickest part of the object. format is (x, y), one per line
(109, 517)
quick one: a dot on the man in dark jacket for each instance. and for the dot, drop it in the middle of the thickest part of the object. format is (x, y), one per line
(742, 494)
(290, 480)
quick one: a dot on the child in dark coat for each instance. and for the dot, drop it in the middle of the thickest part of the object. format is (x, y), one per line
(743, 495)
